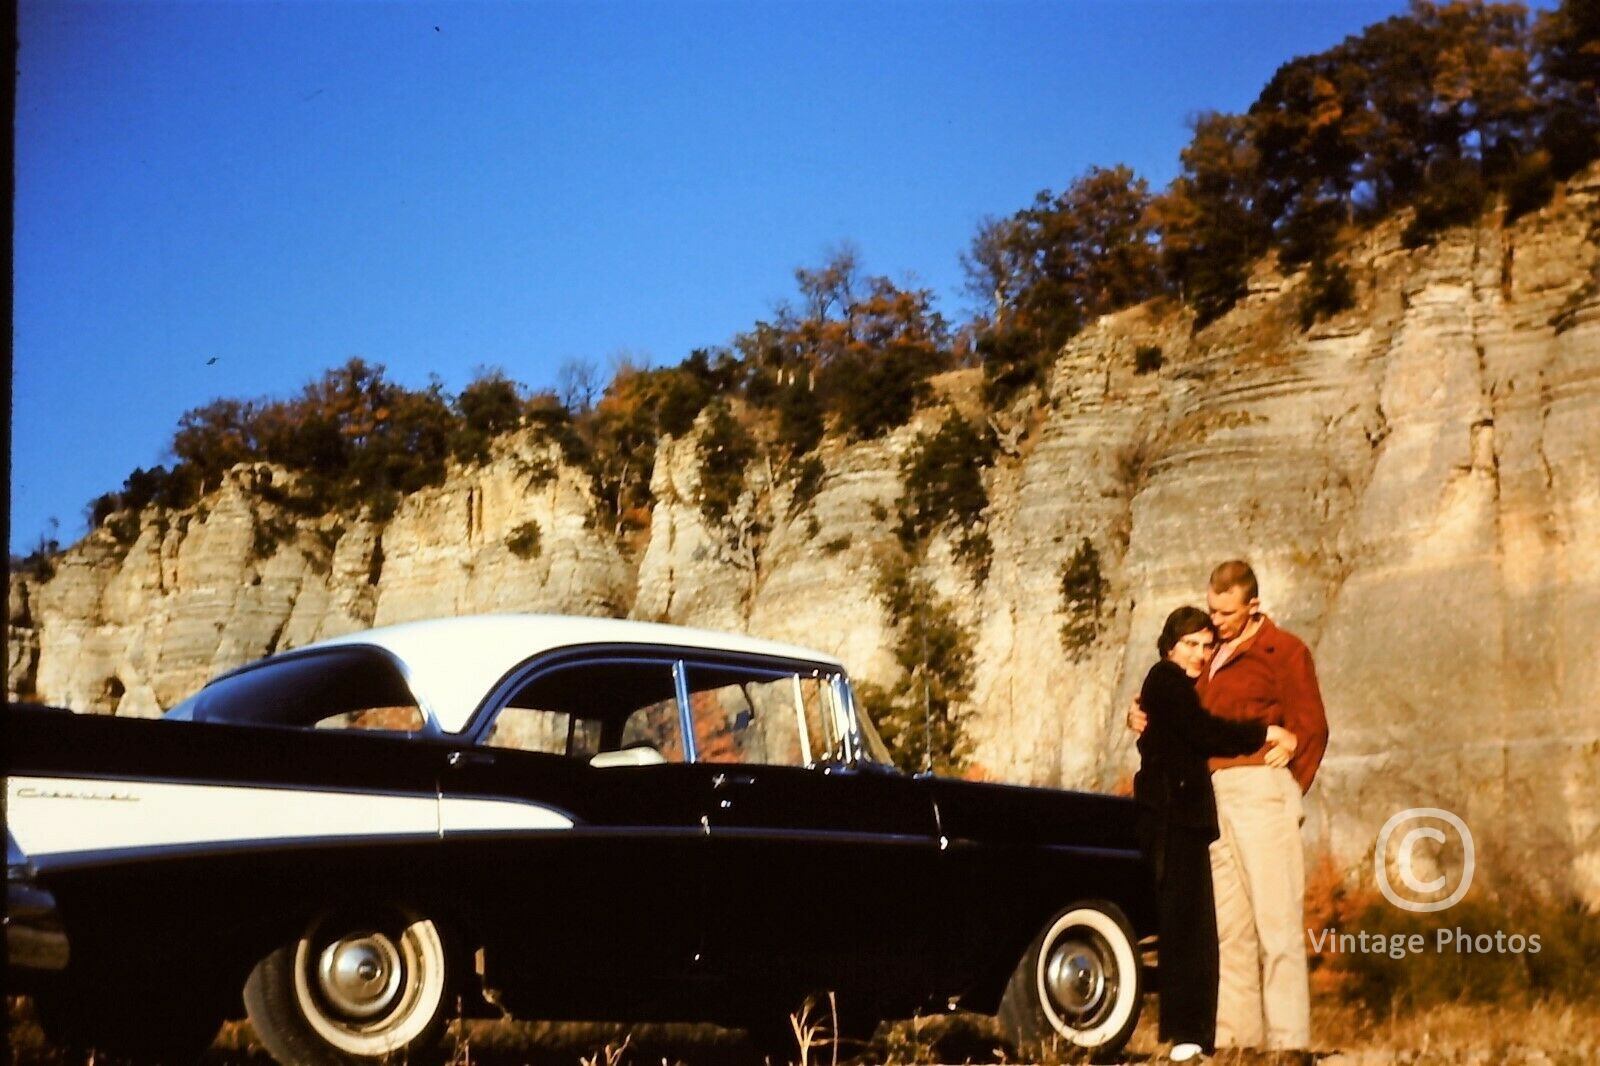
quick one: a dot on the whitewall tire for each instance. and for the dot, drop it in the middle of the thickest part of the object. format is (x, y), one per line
(353, 990)
(1079, 984)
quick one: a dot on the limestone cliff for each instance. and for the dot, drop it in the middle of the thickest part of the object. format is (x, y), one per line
(1417, 482)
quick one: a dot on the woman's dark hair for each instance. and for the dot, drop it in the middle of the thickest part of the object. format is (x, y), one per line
(1181, 623)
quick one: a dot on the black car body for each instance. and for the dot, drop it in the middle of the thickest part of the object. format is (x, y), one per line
(555, 817)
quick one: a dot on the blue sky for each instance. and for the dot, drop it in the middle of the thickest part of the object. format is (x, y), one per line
(440, 187)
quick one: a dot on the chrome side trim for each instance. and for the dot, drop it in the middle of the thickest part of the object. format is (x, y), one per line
(117, 857)
(476, 814)
(124, 856)
(823, 836)
(1082, 851)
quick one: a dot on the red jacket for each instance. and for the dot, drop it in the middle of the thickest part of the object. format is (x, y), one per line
(1271, 679)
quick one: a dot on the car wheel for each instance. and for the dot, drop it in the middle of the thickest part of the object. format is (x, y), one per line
(1079, 984)
(352, 989)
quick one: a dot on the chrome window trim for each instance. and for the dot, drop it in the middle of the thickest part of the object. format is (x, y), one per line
(777, 669)
(844, 718)
(680, 684)
(679, 660)
(800, 716)
(482, 721)
(860, 752)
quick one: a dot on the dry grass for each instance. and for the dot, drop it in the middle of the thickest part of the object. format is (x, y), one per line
(1542, 1034)
(1546, 1033)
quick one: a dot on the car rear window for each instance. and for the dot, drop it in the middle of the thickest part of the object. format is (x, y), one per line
(341, 688)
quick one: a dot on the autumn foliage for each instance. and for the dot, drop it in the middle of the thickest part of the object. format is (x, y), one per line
(1437, 112)
(1450, 966)
(355, 441)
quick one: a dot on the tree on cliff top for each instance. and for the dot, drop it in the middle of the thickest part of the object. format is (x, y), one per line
(1068, 257)
(1211, 225)
(1568, 68)
(1051, 268)
(353, 438)
(864, 346)
(1437, 109)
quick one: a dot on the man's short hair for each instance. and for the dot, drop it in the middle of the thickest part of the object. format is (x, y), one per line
(1235, 574)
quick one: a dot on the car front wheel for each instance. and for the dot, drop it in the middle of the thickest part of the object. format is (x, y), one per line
(1078, 985)
(352, 989)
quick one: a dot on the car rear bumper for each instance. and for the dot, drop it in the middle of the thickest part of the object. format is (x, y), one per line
(35, 937)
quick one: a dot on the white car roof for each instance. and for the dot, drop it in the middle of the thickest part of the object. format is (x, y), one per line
(451, 663)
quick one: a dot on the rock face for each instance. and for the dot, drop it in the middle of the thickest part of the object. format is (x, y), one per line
(1417, 482)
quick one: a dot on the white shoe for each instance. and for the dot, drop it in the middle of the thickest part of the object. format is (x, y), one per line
(1185, 1052)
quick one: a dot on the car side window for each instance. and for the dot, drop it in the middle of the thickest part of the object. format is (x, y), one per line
(823, 733)
(594, 709)
(551, 732)
(655, 726)
(756, 716)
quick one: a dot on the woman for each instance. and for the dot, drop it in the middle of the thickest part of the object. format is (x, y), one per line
(1178, 822)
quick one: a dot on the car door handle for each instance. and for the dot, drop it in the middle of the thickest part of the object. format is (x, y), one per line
(456, 760)
(724, 780)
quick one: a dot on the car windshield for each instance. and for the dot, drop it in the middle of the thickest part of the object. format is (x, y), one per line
(341, 688)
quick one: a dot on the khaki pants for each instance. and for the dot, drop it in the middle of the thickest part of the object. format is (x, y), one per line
(1258, 877)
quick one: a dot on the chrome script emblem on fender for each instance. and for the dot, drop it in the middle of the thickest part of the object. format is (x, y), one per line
(71, 794)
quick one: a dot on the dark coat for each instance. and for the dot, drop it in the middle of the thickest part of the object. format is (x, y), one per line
(1173, 780)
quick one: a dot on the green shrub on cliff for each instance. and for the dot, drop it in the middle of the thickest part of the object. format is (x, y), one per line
(921, 716)
(1083, 597)
(725, 450)
(944, 490)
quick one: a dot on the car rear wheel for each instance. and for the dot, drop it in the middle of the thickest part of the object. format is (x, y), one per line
(1079, 984)
(353, 989)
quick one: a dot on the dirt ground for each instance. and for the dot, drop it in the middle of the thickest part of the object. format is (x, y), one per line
(1544, 1034)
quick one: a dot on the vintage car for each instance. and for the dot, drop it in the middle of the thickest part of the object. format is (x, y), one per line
(552, 817)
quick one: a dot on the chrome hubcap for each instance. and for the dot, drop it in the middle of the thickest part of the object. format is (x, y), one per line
(1075, 976)
(360, 976)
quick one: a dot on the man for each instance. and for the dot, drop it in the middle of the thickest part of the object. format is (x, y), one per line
(1260, 673)
(1265, 674)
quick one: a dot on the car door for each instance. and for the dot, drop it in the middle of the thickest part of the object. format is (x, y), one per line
(818, 871)
(574, 821)
(1018, 855)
